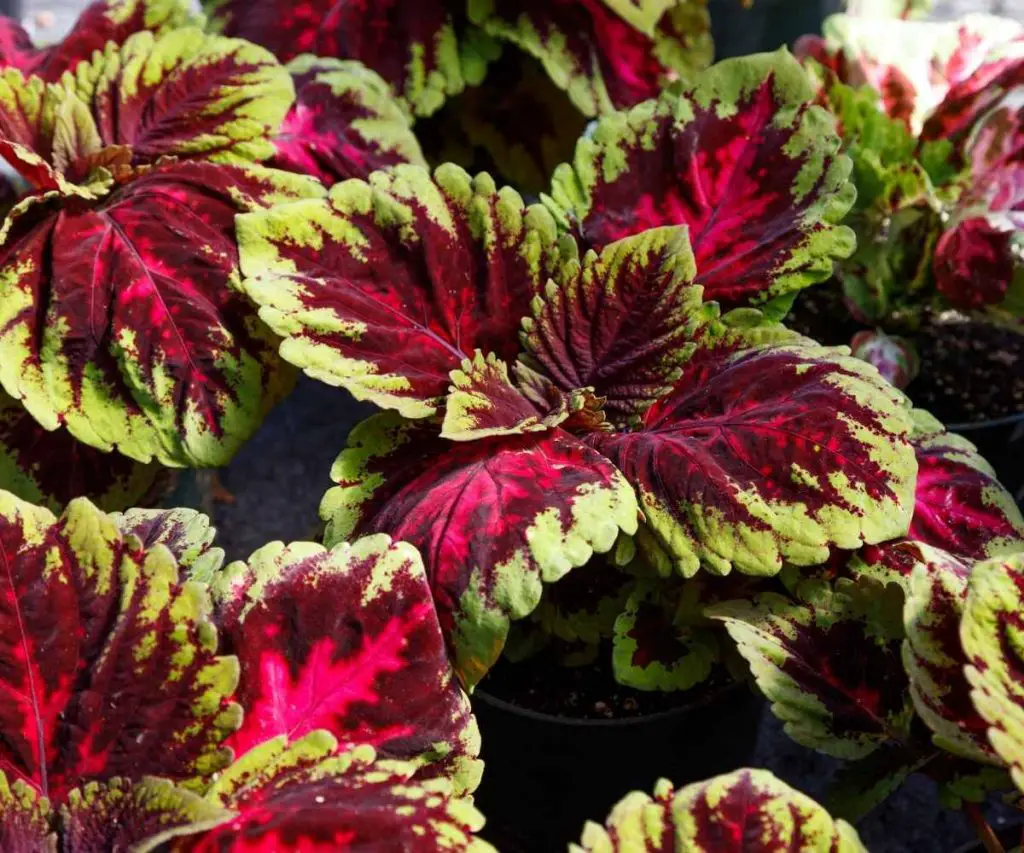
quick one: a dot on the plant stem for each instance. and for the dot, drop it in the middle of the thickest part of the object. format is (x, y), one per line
(985, 832)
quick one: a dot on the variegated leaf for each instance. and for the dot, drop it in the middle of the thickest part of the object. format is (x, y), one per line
(25, 819)
(186, 533)
(347, 640)
(991, 633)
(386, 286)
(747, 811)
(494, 518)
(344, 124)
(743, 158)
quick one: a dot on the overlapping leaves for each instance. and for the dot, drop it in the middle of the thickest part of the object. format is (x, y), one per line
(120, 720)
(118, 315)
(747, 811)
(745, 444)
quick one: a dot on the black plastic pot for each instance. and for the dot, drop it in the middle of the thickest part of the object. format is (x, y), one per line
(1001, 442)
(1009, 837)
(546, 776)
(766, 25)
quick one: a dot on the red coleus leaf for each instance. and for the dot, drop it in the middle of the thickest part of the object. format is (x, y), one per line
(24, 819)
(101, 22)
(621, 323)
(305, 797)
(894, 356)
(934, 658)
(742, 158)
(765, 453)
(960, 506)
(387, 286)
(51, 468)
(108, 662)
(828, 658)
(123, 326)
(496, 517)
(372, 667)
(748, 811)
(424, 51)
(602, 60)
(344, 124)
(186, 533)
(997, 138)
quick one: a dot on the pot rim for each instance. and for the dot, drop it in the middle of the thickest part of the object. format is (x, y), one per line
(625, 722)
(968, 426)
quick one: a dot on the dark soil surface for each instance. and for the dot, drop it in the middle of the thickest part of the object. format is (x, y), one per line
(970, 371)
(587, 692)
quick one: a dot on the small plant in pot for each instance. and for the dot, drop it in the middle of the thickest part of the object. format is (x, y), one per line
(126, 350)
(935, 292)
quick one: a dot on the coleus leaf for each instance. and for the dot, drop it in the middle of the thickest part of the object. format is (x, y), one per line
(371, 668)
(743, 158)
(603, 61)
(934, 659)
(186, 533)
(747, 811)
(621, 322)
(185, 94)
(583, 606)
(344, 123)
(653, 649)
(51, 468)
(99, 23)
(913, 64)
(425, 52)
(990, 632)
(125, 327)
(776, 451)
(497, 517)
(25, 818)
(829, 661)
(996, 138)
(960, 506)
(95, 625)
(894, 356)
(307, 796)
(387, 286)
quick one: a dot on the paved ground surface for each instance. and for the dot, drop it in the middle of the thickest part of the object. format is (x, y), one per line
(280, 476)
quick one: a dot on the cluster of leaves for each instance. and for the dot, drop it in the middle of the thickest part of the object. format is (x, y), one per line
(931, 115)
(310, 704)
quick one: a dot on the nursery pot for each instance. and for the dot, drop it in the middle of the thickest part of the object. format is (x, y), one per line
(546, 775)
(766, 25)
(1001, 442)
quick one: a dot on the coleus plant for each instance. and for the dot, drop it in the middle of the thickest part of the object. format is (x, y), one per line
(313, 707)
(932, 130)
(120, 319)
(747, 811)
(556, 377)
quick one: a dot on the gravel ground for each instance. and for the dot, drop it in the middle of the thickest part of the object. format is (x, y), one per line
(281, 474)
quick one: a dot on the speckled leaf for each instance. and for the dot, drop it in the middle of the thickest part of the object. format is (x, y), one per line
(347, 640)
(960, 506)
(386, 286)
(913, 64)
(186, 533)
(602, 61)
(186, 94)
(771, 452)
(747, 811)
(934, 659)
(493, 518)
(742, 158)
(829, 661)
(991, 634)
(304, 796)
(100, 22)
(25, 819)
(483, 402)
(425, 51)
(120, 814)
(344, 124)
(622, 322)
(96, 627)
(51, 468)
(125, 327)
(653, 648)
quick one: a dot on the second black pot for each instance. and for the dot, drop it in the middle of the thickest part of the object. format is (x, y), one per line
(1001, 442)
(545, 775)
(767, 25)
